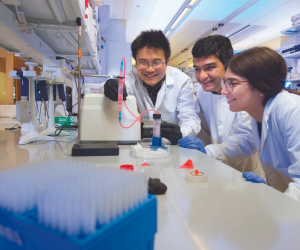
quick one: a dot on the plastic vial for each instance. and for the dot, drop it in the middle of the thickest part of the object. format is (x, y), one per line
(156, 125)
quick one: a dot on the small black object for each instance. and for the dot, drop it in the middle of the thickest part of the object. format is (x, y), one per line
(78, 21)
(68, 90)
(156, 116)
(95, 149)
(66, 126)
(171, 132)
(147, 132)
(69, 103)
(111, 90)
(155, 186)
(15, 127)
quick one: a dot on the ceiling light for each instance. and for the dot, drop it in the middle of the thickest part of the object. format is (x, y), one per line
(57, 10)
(186, 8)
(168, 33)
(180, 18)
(239, 31)
(193, 2)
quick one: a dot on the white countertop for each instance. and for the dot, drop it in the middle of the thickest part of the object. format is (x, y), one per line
(225, 213)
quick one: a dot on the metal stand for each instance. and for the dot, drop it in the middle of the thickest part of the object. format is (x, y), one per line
(93, 149)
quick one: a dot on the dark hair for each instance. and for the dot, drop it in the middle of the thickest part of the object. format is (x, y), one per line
(151, 39)
(264, 68)
(217, 45)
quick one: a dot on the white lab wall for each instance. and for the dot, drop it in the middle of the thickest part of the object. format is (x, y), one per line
(118, 47)
(117, 30)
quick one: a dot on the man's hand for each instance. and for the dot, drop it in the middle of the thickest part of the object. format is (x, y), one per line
(192, 142)
(171, 132)
(250, 176)
(111, 90)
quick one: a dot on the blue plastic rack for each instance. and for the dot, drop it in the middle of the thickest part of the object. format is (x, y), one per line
(134, 230)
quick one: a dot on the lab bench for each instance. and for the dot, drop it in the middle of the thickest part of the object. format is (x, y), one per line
(225, 213)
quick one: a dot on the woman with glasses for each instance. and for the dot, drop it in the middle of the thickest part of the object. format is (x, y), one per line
(254, 82)
(222, 131)
(159, 87)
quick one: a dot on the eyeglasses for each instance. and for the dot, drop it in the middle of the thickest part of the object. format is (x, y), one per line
(155, 65)
(230, 83)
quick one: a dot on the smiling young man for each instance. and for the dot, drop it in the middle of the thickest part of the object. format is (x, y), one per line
(159, 87)
(227, 130)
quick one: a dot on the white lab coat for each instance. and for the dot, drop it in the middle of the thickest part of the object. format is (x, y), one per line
(279, 145)
(231, 140)
(175, 100)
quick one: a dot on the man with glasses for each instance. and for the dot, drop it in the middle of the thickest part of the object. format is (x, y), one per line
(227, 130)
(159, 87)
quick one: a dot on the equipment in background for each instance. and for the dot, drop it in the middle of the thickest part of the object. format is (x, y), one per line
(69, 103)
(52, 97)
(99, 122)
(89, 149)
(62, 96)
(23, 107)
(44, 94)
(38, 99)
(32, 133)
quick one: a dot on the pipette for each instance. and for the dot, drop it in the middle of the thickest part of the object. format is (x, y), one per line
(120, 90)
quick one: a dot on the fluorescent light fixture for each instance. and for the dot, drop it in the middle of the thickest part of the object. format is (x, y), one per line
(70, 39)
(239, 31)
(186, 8)
(168, 33)
(57, 10)
(193, 2)
(180, 18)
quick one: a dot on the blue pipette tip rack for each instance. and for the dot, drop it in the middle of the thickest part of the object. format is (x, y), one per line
(132, 230)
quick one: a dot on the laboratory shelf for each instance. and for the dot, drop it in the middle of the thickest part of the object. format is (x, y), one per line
(85, 35)
(290, 32)
(51, 38)
(293, 55)
(293, 80)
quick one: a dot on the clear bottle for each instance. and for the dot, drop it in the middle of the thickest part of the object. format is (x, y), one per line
(156, 125)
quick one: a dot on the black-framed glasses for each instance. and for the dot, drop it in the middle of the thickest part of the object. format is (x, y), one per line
(154, 65)
(230, 83)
